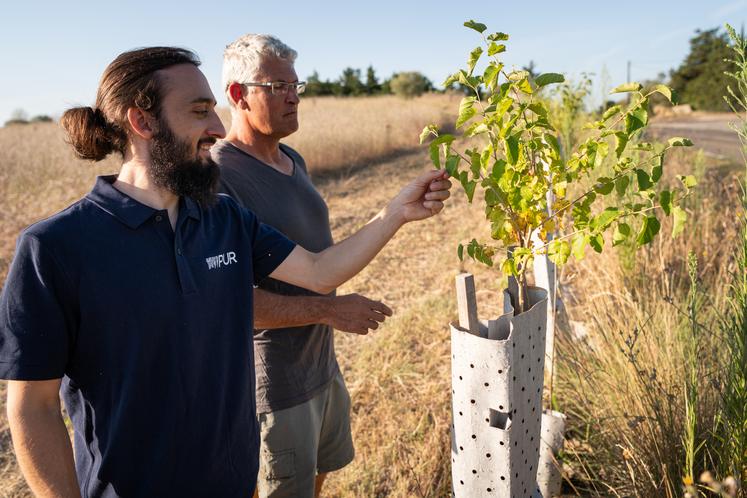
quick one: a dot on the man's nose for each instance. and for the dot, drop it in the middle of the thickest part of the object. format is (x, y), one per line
(216, 128)
(292, 95)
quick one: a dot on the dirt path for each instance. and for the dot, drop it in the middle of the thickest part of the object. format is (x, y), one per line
(709, 131)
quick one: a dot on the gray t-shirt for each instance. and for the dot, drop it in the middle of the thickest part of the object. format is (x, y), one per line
(292, 364)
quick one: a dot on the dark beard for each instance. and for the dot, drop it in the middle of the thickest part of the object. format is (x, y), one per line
(175, 167)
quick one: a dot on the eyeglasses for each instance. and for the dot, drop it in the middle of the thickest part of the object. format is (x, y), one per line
(280, 87)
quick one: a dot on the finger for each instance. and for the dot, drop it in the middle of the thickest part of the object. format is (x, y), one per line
(433, 206)
(381, 308)
(357, 329)
(440, 185)
(378, 317)
(441, 195)
(372, 324)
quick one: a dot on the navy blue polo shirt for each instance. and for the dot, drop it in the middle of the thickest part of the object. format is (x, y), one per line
(151, 330)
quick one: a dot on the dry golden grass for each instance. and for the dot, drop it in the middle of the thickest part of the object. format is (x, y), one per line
(341, 133)
(399, 376)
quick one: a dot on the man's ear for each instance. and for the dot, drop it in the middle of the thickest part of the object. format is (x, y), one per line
(236, 93)
(141, 122)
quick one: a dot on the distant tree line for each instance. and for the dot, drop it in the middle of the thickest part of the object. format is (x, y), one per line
(20, 117)
(352, 83)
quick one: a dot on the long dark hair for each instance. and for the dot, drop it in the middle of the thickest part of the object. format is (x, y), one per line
(131, 80)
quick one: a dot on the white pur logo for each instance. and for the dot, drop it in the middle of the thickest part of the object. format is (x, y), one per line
(215, 262)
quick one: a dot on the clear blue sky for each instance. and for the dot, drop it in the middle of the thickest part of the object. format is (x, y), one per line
(53, 52)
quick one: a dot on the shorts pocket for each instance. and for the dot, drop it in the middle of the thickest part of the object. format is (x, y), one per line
(279, 464)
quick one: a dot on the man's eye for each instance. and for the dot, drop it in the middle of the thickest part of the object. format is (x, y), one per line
(201, 113)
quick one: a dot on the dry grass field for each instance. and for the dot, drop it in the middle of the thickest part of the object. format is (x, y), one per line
(626, 419)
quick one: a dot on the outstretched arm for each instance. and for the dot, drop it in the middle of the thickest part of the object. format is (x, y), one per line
(40, 438)
(350, 313)
(323, 272)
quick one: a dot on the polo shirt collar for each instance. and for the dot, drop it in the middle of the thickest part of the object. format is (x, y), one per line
(126, 209)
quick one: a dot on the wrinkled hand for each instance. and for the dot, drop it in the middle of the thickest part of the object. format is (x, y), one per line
(423, 197)
(355, 313)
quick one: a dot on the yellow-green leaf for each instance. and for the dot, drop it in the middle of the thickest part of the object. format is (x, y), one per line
(496, 48)
(627, 87)
(466, 111)
(474, 56)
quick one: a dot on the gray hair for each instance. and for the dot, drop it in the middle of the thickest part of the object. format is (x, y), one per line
(242, 58)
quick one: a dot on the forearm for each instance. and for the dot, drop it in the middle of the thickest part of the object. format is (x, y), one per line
(274, 311)
(44, 452)
(342, 261)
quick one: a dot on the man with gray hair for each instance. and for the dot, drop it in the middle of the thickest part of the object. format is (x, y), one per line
(302, 402)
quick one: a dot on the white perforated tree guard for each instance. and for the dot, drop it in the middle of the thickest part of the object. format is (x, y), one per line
(549, 472)
(497, 379)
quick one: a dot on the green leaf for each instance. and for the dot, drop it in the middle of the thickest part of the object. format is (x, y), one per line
(460, 252)
(621, 141)
(647, 146)
(435, 153)
(688, 181)
(525, 86)
(606, 217)
(466, 110)
(680, 142)
(498, 169)
(474, 56)
(558, 251)
(636, 120)
(627, 87)
(658, 168)
(615, 109)
(577, 246)
(508, 267)
(604, 186)
(621, 185)
(477, 26)
(548, 79)
(621, 233)
(648, 231)
(667, 92)
(552, 141)
(498, 36)
(452, 164)
(475, 164)
(504, 105)
(512, 149)
(495, 48)
(597, 242)
(476, 128)
(679, 217)
(490, 76)
(428, 130)
(665, 201)
(469, 186)
(450, 80)
(644, 181)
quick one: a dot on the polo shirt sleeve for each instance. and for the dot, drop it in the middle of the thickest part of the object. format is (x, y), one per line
(34, 322)
(269, 246)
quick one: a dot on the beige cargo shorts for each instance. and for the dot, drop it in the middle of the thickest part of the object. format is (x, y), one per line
(303, 440)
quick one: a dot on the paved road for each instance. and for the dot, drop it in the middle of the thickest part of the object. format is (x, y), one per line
(709, 132)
